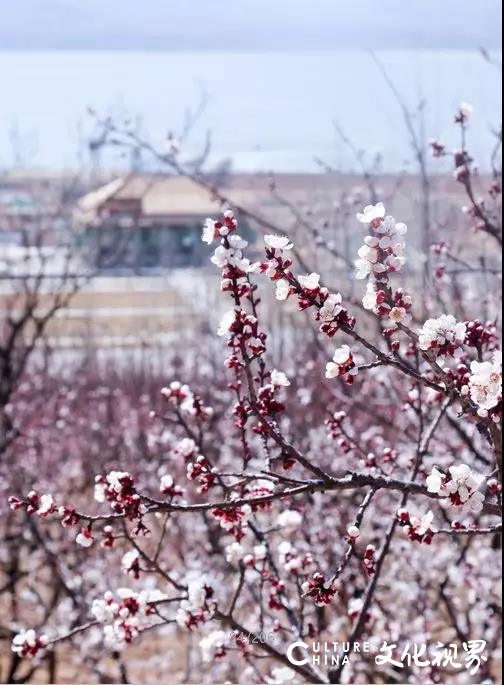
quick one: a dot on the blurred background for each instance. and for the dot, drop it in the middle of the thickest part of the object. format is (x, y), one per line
(271, 78)
(109, 110)
(123, 125)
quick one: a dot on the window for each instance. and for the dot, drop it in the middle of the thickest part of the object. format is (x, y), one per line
(188, 238)
(149, 251)
(109, 244)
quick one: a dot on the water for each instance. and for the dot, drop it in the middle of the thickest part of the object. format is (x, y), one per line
(265, 111)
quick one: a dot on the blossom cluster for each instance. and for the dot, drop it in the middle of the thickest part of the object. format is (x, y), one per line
(130, 563)
(118, 488)
(329, 310)
(460, 484)
(28, 644)
(342, 364)
(395, 305)
(383, 250)
(168, 487)
(293, 561)
(213, 645)
(444, 335)
(267, 402)
(277, 264)
(244, 330)
(125, 614)
(180, 396)
(485, 386)
(481, 334)
(270, 540)
(42, 505)
(228, 256)
(319, 589)
(233, 519)
(202, 472)
(369, 560)
(199, 606)
(241, 327)
(218, 229)
(382, 254)
(419, 528)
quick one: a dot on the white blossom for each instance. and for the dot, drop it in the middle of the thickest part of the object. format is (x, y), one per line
(114, 480)
(104, 609)
(463, 481)
(485, 382)
(365, 268)
(236, 242)
(282, 289)
(208, 234)
(331, 307)
(369, 301)
(226, 322)
(332, 370)
(129, 559)
(281, 675)
(221, 256)
(46, 505)
(232, 256)
(279, 379)
(399, 315)
(278, 242)
(371, 213)
(422, 524)
(99, 492)
(434, 481)
(196, 594)
(84, 538)
(466, 109)
(234, 553)
(441, 331)
(342, 355)
(185, 447)
(310, 282)
(166, 482)
(27, 642)
(289, 519)
(368, 253)
(260, 552)
(383, 251)
(475, 503)
(210, 643)
(285, 548)
(125, 614)
(341, 361)
(389, 230)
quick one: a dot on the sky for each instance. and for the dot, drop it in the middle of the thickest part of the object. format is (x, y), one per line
(249, 24)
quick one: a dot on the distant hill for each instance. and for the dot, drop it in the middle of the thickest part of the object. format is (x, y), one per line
(248, 24)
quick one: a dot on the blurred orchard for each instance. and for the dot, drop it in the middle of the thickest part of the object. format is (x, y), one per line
(191, 523)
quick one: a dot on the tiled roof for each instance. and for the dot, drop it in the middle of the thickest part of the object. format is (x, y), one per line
(160, 196)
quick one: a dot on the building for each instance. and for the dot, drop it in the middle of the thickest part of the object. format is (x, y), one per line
(137, 270)
(145, 224)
